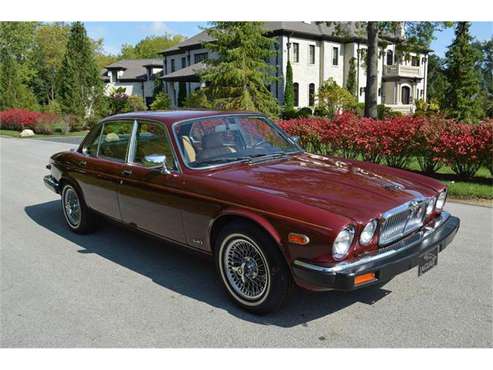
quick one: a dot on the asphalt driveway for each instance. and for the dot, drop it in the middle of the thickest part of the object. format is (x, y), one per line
(116, 288)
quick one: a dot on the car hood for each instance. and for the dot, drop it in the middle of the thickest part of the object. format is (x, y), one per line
(352, 189)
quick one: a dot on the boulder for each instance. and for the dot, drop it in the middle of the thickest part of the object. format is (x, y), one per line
(26, 133)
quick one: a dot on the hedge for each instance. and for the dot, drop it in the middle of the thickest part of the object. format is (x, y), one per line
(433, 141)
(39, 122)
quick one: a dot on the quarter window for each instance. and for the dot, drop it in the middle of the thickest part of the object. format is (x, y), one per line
(90, 148)
(152, 146)
(115, 139)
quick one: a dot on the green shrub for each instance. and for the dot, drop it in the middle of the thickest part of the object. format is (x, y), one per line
(161, 102)
(304, 112)
(136, 104)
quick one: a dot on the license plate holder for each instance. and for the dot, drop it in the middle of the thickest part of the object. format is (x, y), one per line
(427, 260)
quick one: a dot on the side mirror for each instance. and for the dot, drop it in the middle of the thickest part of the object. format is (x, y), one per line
(295, 139)
(164, 168)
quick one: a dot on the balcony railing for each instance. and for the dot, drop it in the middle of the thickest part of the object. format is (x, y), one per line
(398, 70)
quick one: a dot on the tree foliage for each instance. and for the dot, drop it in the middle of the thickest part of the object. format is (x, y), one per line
(333, 98)
(161, 102)
(238, 78)
(464, 88)
(17, 46)
(150, 46)
(437, 84)
(80, 86)
(351, 77)
(289, 89)
(51, 44)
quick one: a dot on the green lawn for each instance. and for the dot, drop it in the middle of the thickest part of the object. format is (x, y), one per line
(13, 133)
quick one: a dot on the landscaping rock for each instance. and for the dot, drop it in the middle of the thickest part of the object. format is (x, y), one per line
(26, 133)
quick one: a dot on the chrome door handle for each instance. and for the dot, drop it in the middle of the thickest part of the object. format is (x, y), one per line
(82, 163)
(126, 172)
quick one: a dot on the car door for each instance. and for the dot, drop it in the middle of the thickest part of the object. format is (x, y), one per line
(149, 197)
(104, 160)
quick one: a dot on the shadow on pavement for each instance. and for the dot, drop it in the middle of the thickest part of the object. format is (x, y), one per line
(189, 274)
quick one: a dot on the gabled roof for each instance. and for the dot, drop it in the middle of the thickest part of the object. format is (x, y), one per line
(134, 69)
(340, 31)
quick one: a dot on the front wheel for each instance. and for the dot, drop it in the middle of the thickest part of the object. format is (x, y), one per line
(75, 211)
(252, 268)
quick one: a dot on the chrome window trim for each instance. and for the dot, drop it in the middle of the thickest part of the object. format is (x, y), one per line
(256, 115)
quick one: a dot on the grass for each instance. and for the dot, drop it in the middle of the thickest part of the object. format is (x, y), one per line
(478, 187)
(13, 133)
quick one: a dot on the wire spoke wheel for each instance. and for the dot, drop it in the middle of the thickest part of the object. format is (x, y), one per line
(72, 208)
(246, 268)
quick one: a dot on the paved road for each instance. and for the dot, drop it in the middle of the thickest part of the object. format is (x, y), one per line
(117, 288)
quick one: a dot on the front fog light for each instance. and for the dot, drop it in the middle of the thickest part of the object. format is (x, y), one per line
(368, 232)
(343, 241)
(442, 197)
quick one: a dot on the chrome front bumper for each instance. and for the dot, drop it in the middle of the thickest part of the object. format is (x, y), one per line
(385, 262)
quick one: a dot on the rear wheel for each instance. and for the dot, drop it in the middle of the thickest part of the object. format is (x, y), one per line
(252, 268)
(75, 211)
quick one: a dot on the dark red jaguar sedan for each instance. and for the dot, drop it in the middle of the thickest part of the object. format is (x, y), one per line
(236, 187)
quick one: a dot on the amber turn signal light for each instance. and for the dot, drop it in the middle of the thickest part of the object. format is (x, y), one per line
(299, 239)
(365, 278)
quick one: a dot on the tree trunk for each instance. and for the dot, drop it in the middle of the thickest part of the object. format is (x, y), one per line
(371, 92)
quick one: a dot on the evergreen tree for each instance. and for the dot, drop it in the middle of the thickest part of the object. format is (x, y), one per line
(464, 85)
(239, 78)
(438, 85)
(351, 78)
(80, 87)
(289, 89)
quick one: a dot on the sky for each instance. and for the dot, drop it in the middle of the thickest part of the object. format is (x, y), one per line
(117, 33)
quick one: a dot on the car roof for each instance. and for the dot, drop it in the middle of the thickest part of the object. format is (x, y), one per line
(172, 116)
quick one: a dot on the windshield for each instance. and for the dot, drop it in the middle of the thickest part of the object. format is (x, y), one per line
(219, 140)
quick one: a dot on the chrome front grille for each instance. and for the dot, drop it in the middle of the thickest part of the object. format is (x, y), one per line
(401, 221)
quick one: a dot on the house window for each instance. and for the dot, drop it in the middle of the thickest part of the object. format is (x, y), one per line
(390, 57)
(296, 52)
(197, 58)
(296, 90)
(379, 91)
(183, 62)
(361, 90)
(335, 56)
(415, 61)
(311, 95)
(312, 54)
(172, 65)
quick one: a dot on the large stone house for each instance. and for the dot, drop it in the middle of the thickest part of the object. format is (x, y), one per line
(136, 76)
(317, 51)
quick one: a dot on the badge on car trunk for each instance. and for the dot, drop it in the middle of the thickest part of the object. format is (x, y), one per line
(427, 261)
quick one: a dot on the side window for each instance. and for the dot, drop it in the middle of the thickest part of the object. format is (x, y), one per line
(90, 147)
(152, 146)
(115, 139)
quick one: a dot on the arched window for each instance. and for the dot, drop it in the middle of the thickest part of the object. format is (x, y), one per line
(311, 95)
(406, 95)
(296, 90)
(390, 57)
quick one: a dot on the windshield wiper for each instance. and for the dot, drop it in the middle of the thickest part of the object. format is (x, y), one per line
(263, 157)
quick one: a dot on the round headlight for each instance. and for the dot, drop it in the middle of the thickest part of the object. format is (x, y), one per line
(442, 197)
(430, 206)
(342, 242)
(368, 232)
